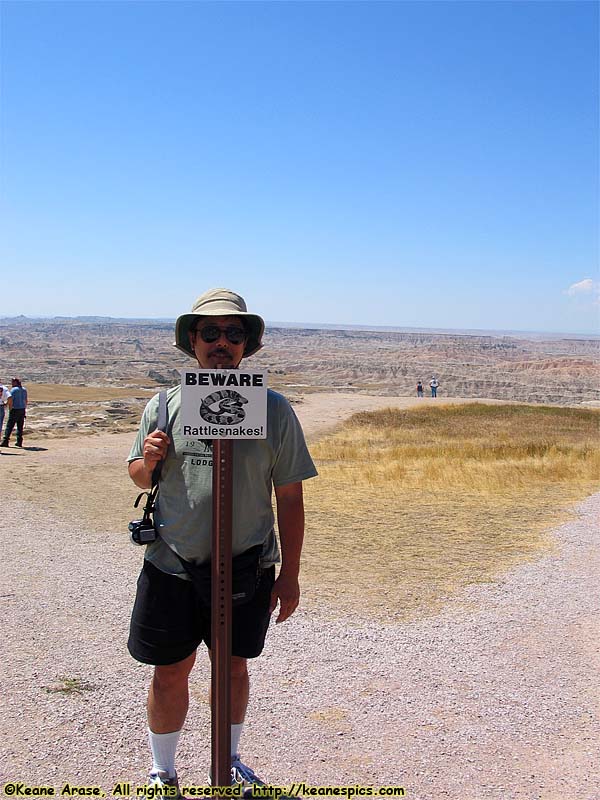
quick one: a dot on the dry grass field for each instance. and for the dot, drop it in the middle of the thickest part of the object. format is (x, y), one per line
(62, 393)
(413, 504)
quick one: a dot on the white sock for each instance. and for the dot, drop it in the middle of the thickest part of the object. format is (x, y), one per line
(236, 732)
(163, 746)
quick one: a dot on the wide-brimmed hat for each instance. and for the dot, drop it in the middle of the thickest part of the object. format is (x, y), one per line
(219, 303)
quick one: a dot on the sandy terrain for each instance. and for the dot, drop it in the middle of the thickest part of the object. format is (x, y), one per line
(493, 697)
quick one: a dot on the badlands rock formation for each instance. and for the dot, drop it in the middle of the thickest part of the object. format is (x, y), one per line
(137, 357)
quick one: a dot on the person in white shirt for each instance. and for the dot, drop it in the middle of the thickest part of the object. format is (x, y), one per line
(4, 395)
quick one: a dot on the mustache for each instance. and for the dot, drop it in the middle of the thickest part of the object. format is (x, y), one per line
(221, 352)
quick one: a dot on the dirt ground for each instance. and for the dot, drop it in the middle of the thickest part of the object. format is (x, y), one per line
(491, 698)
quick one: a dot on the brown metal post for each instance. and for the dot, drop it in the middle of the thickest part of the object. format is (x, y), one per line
(221, 611)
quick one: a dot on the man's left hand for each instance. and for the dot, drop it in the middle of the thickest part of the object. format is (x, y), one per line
(286, 589)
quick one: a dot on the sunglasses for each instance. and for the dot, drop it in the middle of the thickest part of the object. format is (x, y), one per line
(212, 333)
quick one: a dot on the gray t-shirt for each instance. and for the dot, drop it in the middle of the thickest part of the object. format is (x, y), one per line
(184, 509)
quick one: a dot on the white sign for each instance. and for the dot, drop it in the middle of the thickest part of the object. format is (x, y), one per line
(223, 404)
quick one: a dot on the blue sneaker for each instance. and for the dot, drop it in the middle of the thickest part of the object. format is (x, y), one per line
(244, 776)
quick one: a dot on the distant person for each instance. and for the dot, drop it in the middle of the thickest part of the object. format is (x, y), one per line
(4, 395)
(169, 619)
(433, 383)
(17, 405)
(419, 389)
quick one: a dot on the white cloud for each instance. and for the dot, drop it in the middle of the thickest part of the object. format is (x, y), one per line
(586, 286)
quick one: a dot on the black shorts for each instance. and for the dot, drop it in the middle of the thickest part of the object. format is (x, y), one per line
(169, 620)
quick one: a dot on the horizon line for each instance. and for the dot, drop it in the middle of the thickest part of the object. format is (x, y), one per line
(320, 326)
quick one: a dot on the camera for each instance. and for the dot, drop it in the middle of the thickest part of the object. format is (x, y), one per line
(142, 531)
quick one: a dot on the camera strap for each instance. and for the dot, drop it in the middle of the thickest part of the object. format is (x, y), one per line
(162, 423)
(149, 507)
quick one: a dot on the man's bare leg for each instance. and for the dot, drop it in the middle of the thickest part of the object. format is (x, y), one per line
(240, 689)
(168, 698)
(240, 692)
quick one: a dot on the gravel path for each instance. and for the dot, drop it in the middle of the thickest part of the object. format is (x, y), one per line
(495, 697)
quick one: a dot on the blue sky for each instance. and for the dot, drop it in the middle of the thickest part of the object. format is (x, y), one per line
(398, 163)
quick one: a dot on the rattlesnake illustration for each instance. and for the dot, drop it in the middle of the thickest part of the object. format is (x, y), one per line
(229, 411)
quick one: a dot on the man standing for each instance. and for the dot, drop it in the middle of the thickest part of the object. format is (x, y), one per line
(17, 405)
(433, 383)
(170, 619)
